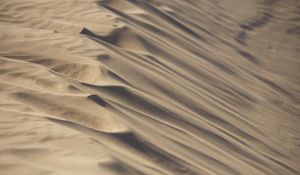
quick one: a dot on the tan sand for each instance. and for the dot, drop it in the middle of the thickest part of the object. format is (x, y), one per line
(149, 87)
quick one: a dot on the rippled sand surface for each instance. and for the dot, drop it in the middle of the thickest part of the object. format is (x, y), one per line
(149, 87)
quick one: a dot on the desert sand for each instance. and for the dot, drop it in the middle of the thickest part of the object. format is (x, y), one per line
(150, 87)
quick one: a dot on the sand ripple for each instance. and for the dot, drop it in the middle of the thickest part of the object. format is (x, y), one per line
(149, 87)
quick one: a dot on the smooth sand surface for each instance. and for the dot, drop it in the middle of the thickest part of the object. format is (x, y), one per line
(149, 87)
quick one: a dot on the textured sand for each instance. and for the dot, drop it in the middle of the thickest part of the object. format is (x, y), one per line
(149, 87)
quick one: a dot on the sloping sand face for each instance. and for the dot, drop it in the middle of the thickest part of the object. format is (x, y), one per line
(146, 87)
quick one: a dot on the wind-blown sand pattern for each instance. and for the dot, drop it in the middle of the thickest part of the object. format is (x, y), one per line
(149, 87)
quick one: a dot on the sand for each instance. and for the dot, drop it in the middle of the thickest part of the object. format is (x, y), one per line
(150, 87)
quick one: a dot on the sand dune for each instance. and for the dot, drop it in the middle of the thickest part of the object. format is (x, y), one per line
(149, 87)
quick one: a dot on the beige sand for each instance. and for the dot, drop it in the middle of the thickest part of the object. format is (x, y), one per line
(149, 87)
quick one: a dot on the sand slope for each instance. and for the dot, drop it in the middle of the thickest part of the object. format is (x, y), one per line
(149, 87)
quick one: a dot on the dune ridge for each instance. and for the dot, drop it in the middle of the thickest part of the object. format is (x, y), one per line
(149, 87)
